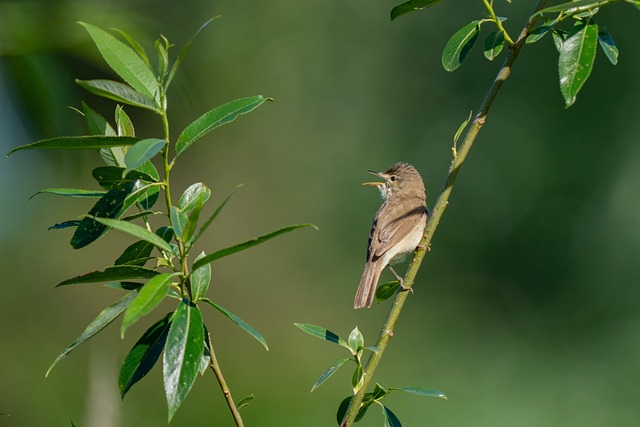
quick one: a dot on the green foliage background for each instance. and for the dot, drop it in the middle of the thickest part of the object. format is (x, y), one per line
(526, 310)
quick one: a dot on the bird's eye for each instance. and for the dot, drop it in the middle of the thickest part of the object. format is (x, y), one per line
(393, 178)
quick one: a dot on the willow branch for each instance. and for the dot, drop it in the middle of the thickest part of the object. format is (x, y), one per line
(441, 204)
(215, 367)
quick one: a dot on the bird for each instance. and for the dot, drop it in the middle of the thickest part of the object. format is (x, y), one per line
(397, 227)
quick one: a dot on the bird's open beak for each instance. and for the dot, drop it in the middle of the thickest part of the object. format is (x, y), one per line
(374, 184)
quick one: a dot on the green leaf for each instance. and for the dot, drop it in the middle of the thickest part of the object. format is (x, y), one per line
(110, 176)
(182, 352)
(124, 124)
(461, 128)
(118, 92)
(540, 31)
(105, 317)
(185, 51)
(322, 333)
(189, 199)
(142, 151)
(110, 205)
(111, 274)
(151, 195)
(246, 245)
(573, 6)
(493, 44)
(217, 117)
(149, 296)
(163, 56)
(134, 44)
(357, 380)
(379, 392)
(342, 409)
(136, 231)
(71, 192)
(387, 290)
(459, 45)
(205, 359)
(96, 124)
(65, 224)
(178, 221)
(390, 419)
(125, 62)
(214, 215)
(238, 321)
(245, 401)
(144, 354)
(420, 391)
(200, 280)
(559, 36)
(328, 373)
(411, 6)
(139, 252)
(78, 143)
(356, 340)
(576, 59)
(608, 45)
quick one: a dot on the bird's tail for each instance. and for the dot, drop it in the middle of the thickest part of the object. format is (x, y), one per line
(367, 288)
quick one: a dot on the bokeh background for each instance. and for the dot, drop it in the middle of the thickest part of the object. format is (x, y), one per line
(526, 310)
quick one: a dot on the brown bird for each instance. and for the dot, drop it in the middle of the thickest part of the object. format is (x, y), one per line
(397, 228)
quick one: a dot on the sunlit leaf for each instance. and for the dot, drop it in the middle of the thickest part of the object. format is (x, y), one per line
(105, 317)
(185, 51)
(238, 321)
(178, 221)
(109, 274)
(134, 44)
(124, 123)
(357, 380)
(189, 198)
(576, 59)
(71, 192)
(78, 143)
(355, 340)
(110, 176)
(459, 45)
(387, 290)
(142, 151)
(245, 401)
(390, 419)
(149, 296)
(139, 252)
(200, 280)
(411, 6)
(608, 45)
(322, 333)
(573, 6)
(136, 231)
(217, 117)
(328, 373)
(118, 92)
(213, 216)
(421, 391)
(183, 349)
(493, 44)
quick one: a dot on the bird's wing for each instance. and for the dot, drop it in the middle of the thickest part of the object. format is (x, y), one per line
(395, 222)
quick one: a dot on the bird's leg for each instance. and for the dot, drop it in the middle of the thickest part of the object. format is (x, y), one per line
(400, 279)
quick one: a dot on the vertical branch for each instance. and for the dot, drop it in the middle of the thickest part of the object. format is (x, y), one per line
(213, 364)
(441, 204)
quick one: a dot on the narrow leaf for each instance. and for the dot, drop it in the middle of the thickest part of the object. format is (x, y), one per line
(96, 124)
(573, 6)
(411, 6)
(493, 44)
(217, 117)
(105, 317)
(322, 333)
(78, 142)
(139, 252)
(183, 349)
(461, 128)
(110, 176)
(200, 280)
(124, 124)
(390, 419)
(111, 274)
(71, 192)
(136, 231)
(246, 245)
(356, 340)
(357, 380)
(238, 321)
(328, 373)
(576, 60)
(420, 391)
(189, 198)
(65, 224)
(214, 215)
(118, 92)
(178, 221)
(149, 296)
(459, 45)
(144, 354)
(134, 44)
(185, 51)
(245, 401)
(125, 62)
(342, 409)
(608, 45)
(142, 151)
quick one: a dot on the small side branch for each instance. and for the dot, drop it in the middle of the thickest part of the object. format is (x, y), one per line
(215, 367)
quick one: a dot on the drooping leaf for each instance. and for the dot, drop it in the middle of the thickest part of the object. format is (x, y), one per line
(200, 280)
(183, 349)
(411, 6)
(178, 221)
(322, 333)
(78, 143)
(71, 192)
(217, 117)
(328, 373)
(459, 45)
(118, 92)
(110, 205)
(387, 290)
(238, 321)
(213, 216)
(246, 245)
(420, 391)
(576, 59)
(65, 224)
(149, 296)
(144, 354)
(390, 419)
(493, 44)
(185, 51)
(139, 252)
(110, 176)
(189, 198)
(125, 62)
(355, 340)
(122, 272)
(105, 317)
(136, 231)
(573, 6)
(142, 151)
(608, 45)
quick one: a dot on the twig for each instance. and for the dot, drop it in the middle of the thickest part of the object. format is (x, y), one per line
(441, 204)
(213, 364)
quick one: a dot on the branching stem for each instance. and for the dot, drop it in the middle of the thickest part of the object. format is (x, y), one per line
(441, 204)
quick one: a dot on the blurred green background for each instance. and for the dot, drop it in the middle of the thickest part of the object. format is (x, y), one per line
(526, 310)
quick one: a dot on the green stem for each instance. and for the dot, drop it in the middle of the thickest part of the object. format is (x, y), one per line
(494, 18)
(213, 364)
(441, 204)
